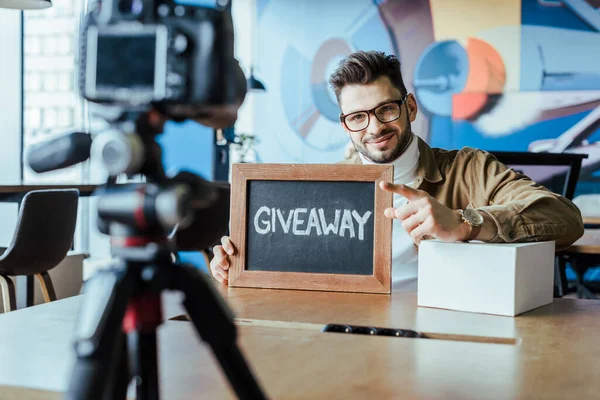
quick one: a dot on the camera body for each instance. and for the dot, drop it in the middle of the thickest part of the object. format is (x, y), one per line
(134, 53)
(149, 61)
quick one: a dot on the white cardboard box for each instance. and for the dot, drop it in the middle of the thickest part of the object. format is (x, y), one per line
(504, 279)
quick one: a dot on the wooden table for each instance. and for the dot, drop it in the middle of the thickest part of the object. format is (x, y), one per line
(14, 193)
(556, 356)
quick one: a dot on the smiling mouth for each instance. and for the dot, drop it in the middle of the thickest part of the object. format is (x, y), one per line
(381, 139)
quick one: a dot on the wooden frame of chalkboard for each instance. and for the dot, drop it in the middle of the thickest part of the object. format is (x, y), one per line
(377, 276)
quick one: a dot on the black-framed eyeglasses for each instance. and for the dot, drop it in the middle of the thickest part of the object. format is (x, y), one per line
(388, 112)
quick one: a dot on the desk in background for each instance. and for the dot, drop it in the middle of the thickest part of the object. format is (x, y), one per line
(591, 221)
(582, 255)
(556, 359)
(15, 194)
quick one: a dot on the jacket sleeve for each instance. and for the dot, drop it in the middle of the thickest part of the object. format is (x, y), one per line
(523, 210)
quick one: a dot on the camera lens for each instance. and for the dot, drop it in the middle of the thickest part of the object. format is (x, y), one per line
(132, 7)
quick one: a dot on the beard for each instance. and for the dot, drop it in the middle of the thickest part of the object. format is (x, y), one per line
(403, 139)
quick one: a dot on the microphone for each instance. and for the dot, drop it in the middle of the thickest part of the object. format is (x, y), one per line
(62, 152)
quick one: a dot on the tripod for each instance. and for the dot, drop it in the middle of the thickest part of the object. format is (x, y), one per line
(129, 293)
(115, 335)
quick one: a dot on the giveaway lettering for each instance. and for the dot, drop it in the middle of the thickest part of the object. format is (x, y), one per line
(304, 222)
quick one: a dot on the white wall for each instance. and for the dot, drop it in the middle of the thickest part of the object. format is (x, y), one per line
(10, 114)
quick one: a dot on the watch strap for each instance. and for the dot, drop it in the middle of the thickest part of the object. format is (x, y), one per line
(473, 229)
(474, 232)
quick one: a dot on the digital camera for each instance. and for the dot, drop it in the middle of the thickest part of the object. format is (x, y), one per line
(171, 52)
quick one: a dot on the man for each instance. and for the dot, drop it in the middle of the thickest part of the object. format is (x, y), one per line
(447, 195)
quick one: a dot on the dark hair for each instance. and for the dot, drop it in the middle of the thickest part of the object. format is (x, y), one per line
(363, 67)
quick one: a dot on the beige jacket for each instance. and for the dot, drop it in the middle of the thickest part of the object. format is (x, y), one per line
(523, 210)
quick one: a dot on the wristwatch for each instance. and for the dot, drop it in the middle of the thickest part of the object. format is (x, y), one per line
(475, 221)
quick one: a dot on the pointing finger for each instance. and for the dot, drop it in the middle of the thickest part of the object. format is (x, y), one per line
(402, 190)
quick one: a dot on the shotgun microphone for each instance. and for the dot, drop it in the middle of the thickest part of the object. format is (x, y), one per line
(62, 152)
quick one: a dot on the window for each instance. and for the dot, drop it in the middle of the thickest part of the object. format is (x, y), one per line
(52, 105)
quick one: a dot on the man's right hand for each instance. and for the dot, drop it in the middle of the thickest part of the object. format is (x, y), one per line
(219, 265)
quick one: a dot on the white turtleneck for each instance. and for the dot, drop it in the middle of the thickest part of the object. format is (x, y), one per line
(404, 252)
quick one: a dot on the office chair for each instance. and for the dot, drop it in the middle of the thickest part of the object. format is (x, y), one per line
(562, 183)
(43, 236)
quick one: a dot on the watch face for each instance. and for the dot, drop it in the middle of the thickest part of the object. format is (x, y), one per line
(473, 217)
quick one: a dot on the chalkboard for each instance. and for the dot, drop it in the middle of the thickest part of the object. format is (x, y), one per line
(311, 226)
(304, 226)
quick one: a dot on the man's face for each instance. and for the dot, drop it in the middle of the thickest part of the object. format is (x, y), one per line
(380, 142)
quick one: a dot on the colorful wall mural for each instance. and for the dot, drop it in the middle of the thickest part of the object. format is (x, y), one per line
(520, 75)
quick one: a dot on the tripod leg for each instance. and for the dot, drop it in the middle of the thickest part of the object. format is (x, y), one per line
(144, 315)
(144, 364)
(213, 320)
(117, 388)
(99, 340)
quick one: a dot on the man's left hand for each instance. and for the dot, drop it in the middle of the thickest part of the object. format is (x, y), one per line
(425, 216)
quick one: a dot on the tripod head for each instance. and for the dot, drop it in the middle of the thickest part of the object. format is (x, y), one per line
(198, 210)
